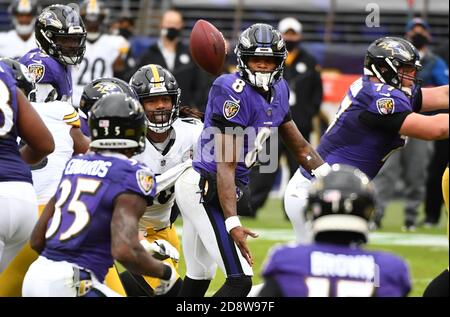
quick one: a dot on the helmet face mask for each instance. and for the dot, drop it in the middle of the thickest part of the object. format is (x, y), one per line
(152, 81)
(342, 201)
(160, 120)
(391, 60)
(264, 41)
(60, 33)
(117, 122)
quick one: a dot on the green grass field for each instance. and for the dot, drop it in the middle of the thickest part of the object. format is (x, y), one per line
(425, 261)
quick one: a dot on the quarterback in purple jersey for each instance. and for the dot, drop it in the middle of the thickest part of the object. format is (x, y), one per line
(17, 195)
(335, 265)
(60, 36)
(379, 112)
(93, 217)
(243, 109)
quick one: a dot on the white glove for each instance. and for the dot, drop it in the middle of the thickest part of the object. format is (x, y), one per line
(322, 170)
(161, 249)
(166, 285)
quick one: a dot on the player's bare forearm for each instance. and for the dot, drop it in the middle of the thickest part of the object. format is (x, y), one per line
(303, 152)
(227, 149)
(37, 239)
(226, 187)
(80, 141)
(435, 98)
(125, 244)
(30, 156)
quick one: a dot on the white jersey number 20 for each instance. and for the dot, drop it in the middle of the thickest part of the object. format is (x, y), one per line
(96, 69)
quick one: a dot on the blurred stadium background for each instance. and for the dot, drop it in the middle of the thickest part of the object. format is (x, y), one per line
(335, 32)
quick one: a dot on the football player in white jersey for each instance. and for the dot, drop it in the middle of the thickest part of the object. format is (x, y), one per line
(63, 122)
(20, 40)
(171, 136)
(105, 53)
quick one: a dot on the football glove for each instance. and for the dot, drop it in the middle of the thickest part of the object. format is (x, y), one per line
(166, 285)
(161, 249)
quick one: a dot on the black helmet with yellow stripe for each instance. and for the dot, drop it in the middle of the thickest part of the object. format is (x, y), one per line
(152, 81)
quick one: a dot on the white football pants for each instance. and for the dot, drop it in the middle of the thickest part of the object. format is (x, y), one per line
(47, 278)
(295, 201)
(206, 243)
(18, 216)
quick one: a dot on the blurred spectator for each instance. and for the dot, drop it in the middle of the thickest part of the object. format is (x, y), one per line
(303, 76)
(20, 40)
(305, 84)
(435, 71)
(124, 25)
(410, 163)
(171, 53)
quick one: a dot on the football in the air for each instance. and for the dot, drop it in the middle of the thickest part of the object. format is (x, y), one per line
(208, 48)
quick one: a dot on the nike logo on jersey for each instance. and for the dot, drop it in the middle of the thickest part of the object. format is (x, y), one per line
(385, 94)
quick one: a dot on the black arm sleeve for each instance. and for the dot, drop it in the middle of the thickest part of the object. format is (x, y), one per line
(220, 122)
(387, 123)
(287, 117)
(417, 102)
(270, 288)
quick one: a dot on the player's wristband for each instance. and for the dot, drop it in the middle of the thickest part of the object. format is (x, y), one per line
(232, 222)
(322, 170)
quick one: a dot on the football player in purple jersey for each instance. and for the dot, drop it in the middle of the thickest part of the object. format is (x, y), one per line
(379, 112)
(243, 110)
(61, 40)
(335, 265)
(17, 195)
(93, 217)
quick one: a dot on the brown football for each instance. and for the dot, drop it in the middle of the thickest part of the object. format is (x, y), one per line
(208, 48)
